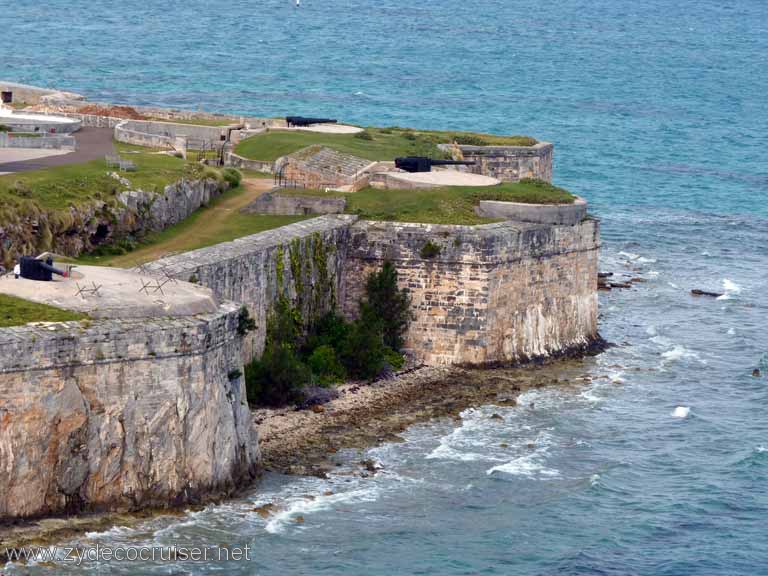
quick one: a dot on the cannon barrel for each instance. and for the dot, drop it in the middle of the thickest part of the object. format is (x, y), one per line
(34, 269)
(424, 164)
(302, 121)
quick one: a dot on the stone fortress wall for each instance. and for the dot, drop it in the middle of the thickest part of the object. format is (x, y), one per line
(122, 414)
(495, 294)
(303, 262)
(508, 163)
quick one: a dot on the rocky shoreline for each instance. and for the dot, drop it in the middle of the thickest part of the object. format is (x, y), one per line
(304, 442)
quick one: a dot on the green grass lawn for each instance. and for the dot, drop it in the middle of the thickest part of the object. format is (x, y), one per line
(17, 312)
(221, 221)
(59, 187)
(448, 205)
(387, 143)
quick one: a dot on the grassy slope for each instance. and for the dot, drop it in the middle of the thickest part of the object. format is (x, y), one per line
(387, 143)
(222, 221)
(449, 205)
(61, 186)
(17, 312)
(272, 145)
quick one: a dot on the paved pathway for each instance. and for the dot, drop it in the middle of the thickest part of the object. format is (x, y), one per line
(92, 144)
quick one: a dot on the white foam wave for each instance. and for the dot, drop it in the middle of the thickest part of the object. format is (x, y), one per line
(303, 506)
(629, 255)
(114, 532)
(681, 412)
(594, 480)
(529, 465)
(730, 289)
(678, 353)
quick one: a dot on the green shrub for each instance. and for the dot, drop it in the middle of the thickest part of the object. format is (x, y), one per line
(245, 323)
(325, 366)
(430, 250)
(469, 139)
(330, 330)
(364, 135)
(232, 176)
(4, 128)
(389, 304)
(279, 376)
(394, 359)
(362, 351)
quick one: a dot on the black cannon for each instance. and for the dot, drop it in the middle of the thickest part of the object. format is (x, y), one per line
(424, 164)
(41, 270)
(300, 121)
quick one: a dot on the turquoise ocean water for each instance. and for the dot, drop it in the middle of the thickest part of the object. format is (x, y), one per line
(659, 113)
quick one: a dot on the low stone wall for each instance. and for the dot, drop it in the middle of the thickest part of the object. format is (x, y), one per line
(509, 163)
(122, 415)
(567, 214)
(54, 142)
(232, 159)
(141, 131)
(276, 203)
(303, 262)
(499, 293)
(137, 138)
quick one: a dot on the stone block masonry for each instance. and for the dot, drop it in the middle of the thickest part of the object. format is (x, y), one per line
(509, 163)
(122, 414)
(303, 262)
(494, 294)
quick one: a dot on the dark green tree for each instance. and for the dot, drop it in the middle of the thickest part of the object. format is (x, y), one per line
(389, 304)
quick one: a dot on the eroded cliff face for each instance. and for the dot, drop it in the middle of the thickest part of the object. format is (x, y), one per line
(122, 415)
(30, 230)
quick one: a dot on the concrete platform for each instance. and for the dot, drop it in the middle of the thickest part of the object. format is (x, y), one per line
(435, 179)
(9, 155)
(121, 294)
(92, 144)
(327, 129)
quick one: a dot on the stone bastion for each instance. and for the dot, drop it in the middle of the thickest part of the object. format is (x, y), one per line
(142, 406)
(145, 405)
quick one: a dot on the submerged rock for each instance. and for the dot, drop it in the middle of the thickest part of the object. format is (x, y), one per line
(756, 372)
(697, 292)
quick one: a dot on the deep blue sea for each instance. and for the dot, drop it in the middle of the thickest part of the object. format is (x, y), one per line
(659, 113)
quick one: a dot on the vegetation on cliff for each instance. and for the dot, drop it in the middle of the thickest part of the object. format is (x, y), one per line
(330, 349)
(17, 312)
(373, 143)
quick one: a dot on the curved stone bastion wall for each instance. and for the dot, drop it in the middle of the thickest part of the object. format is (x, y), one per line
(122, 414)
(498, 293)
(483, 295)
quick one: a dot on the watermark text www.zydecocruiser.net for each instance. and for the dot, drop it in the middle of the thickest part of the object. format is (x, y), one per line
(81, 555)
